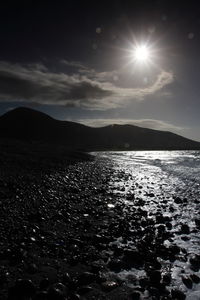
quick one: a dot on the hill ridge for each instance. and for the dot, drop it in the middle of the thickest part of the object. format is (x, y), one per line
(30, 124)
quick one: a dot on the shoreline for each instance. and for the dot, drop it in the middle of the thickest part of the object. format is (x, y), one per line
(95, 231)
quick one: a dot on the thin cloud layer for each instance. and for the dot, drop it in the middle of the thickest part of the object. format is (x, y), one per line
(84, 88)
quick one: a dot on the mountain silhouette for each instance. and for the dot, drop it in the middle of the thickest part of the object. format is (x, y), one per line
(28, 124)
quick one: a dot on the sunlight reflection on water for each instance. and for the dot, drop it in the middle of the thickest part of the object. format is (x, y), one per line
(157, 177)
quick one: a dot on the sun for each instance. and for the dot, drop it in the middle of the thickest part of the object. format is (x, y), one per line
(141, 53)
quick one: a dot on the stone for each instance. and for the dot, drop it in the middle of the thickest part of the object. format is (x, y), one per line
(134, 296)
(74, 296)
(167, 278)
(115, 265)
(195, 262)
(109, 285)
(85, 290)
(187, 281)
(197, 222)
(86, 278)
(56, 292)
(41, 296)
(44, 284)
(178, 200)
(133, 258)
(24, 288)
(178, 295)
(155, 276)
(185, 229)
(195, 278)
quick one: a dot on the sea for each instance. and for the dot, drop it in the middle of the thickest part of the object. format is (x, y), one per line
(160, 177)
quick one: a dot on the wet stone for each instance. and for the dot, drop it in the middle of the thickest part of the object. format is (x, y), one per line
(86, 278)
(134, 296)
(178, 295)
(174, 249)
(143, 282)
(167, 279)
(41, 296)
(168, 225)
(197, 222)
(195, 278)
(195, 262)
(66, 278)
(56, 292)
(178, 200)
(109, 285)
(151, 195)
(85, 290)
(187, 281)
(115, 265)
(22, 289)
(32, 268)
(185, 229)
(155, 276)
(3, 277)
(160, 218)
(74, 296)
(133, 258)
(44, 284)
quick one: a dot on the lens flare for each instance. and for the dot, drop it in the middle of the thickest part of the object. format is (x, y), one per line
(141, 53)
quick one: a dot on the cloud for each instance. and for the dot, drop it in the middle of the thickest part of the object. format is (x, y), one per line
(146, 123)
(73, 64)
(85, 88)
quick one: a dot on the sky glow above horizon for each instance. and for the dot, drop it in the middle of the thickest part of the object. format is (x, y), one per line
(131, 62)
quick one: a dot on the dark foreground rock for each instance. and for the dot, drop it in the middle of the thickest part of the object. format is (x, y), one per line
(67, 232)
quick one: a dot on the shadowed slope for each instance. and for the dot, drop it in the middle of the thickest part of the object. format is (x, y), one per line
(28, 124)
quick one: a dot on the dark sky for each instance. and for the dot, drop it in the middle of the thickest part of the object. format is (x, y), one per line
(74, 61)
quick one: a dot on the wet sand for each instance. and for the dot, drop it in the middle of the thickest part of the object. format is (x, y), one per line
(98, 229)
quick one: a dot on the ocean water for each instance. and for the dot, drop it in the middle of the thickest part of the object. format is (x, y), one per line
(164, 175)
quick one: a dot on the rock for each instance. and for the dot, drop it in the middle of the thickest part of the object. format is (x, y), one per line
(44, 284)
(109, 285)
(195, 278)
(132, 258)
(197, 222)
(178, 295)
(66, 278)
(185, 229)
(143, 282)
(160, 219)
(187, 281)
(86, 278)
(167, 278)
(24, 288)
(168, 225)
(174, 249)
(32, 268)
(134, 296)
(115, 265)
(155, 277)
(161, 229)
(154, 292)
(195, 262)
(178, 200)
(151, 195)
(74, 297)
(41, 296)
(3, 277)
(85, 290)
(56, 292)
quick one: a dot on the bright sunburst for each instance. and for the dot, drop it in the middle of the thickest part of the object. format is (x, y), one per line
(141, 53)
